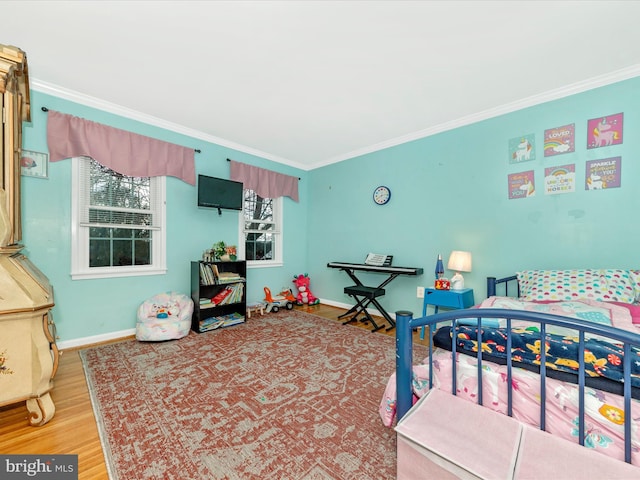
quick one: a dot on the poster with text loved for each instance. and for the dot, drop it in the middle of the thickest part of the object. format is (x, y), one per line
(604, 131)
(521, 185)
(560, 179)
(602, 174)
(560, 140)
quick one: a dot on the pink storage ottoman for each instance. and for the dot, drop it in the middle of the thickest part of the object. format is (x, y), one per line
(446, 437)
(544, 456)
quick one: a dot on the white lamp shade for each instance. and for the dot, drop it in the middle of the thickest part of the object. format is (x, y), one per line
(460, 261)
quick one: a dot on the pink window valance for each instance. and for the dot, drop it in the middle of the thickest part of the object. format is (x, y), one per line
(264, 182)
(124, 152)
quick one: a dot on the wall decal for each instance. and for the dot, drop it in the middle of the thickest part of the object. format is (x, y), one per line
(521, 185)
(560, 179)
(560, 140)
(604, 131)
(602, 174)
(522, 149)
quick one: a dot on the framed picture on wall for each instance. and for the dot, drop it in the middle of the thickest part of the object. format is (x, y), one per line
(602, 174)
(605, 131)
(521, 185)
(561, 179)
(522, 149)
(560, 140)
(34, 164)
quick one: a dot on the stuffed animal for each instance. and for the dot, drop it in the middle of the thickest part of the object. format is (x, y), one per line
(304, 292)
(164, 311)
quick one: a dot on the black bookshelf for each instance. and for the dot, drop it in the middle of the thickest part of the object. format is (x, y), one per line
(218, 290)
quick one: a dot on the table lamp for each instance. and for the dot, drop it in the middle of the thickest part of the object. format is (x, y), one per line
(459, 262)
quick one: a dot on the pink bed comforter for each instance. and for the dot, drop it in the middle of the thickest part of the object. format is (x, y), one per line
(604, 419)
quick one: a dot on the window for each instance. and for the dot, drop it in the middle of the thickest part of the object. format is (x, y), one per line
(118, 222)
(261, 229)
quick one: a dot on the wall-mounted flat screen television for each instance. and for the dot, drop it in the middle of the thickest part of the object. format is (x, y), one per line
(219, 193)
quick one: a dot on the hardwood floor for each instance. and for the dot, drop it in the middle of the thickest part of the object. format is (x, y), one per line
(73, 429)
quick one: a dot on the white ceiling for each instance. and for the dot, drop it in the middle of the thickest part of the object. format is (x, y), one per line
(309, 83)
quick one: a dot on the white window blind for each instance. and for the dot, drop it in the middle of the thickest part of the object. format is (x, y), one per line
(112, 200)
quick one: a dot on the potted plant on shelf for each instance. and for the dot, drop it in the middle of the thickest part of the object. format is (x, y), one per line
(232, 252)
(219, 250)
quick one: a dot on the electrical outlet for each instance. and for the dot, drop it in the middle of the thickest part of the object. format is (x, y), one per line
(420, 292)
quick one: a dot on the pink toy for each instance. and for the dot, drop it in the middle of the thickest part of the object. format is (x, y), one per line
(304, 292)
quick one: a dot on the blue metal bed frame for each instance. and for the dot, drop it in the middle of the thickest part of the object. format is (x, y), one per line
(405, 324)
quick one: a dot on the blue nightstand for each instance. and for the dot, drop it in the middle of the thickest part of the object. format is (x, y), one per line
(450, 299)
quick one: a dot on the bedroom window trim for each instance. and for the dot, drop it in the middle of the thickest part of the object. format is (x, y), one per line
(80, 227)
(268, 185)
(278, 241)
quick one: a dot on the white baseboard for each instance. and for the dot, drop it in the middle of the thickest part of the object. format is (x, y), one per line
(106, 337)
(347, 306)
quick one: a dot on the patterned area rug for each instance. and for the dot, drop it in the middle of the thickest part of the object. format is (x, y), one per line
(283, 396)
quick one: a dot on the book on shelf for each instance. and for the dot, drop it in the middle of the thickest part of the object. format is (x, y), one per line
(207, 275)
(221, 295)
(229, 294)
(212, 323)
(229, 277)
(211, 275)
(236, 293)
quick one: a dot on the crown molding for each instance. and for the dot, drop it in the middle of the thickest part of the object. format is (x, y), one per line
(579, 87)
(575, 88)
(97, 103)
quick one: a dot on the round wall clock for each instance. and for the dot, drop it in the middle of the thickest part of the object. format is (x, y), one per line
(382, 195)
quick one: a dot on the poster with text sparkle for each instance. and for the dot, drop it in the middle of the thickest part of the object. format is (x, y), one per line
(560, 140)
(604, 131)
(521, 185)
(602, 174)
(560, 179)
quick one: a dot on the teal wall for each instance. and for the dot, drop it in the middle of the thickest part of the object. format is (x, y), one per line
(99, 307)
(449, 192)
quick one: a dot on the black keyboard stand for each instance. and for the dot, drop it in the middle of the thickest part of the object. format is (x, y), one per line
(363, 296)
